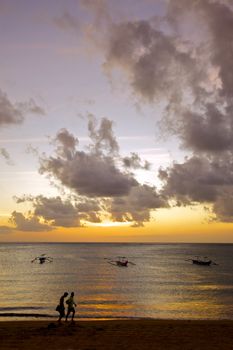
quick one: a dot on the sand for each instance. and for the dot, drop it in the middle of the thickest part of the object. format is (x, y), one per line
(117, 334)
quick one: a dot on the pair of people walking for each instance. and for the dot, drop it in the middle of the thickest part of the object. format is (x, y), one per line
(70, 309)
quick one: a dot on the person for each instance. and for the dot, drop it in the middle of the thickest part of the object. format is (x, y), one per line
(61, 307)
(71, 305)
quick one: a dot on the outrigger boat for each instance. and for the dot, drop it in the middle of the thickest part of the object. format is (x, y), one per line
(120, 261)
(205, 261)
(42, 259)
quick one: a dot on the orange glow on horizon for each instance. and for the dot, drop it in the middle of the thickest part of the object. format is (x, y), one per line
(168, 225)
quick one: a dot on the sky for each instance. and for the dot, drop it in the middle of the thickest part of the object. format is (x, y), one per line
(116, 121)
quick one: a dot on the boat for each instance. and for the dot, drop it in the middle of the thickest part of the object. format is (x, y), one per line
(205, 261)
(42, 259)
(201, 262)
(120, 261)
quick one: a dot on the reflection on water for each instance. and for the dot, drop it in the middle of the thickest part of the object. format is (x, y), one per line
(161, 284)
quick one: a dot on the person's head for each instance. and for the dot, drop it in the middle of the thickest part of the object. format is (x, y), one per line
(65, 294)
(72, 294)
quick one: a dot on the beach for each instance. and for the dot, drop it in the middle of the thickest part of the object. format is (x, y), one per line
(117, 334)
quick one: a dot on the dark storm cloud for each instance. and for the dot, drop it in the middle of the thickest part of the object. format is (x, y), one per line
(14, 113)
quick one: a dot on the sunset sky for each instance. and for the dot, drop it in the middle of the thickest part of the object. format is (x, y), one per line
(116, 120)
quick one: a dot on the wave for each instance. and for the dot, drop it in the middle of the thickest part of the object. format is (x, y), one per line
(83, 317)
(15, 314)
(15, 308)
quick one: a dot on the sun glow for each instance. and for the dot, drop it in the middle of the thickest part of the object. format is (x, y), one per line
(109, 224)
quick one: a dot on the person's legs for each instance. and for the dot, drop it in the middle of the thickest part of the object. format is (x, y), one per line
(68, 312)
(62, 314)
(73, 315)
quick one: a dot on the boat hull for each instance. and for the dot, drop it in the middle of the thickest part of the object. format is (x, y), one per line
(200, 262)
(122, 263)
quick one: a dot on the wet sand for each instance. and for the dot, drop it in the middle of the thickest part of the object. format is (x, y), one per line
(117, 334)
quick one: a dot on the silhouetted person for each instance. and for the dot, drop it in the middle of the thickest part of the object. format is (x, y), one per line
(61, 307)
(71, 305)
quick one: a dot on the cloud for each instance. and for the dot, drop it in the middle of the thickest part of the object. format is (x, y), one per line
(223, 206)
(78, 211)
(100, 12)
(183, 62)
(53, 210)
(90, 209)
(88, 173)
(4, 153)
(137, 206)
(135, 162)
(66, 22)
(218, 17)
(65, 144)
(63, 212)
(151, 60)
(32, 107)
(30, 223)
(14, 113)
(209, 131)
(103, 138)
(59, 212)
(99, 178)
(195, 180)
(202, 180)
(9, 113)
(163, 66)
(206, 124)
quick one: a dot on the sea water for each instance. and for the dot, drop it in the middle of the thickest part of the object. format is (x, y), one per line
(162, 284)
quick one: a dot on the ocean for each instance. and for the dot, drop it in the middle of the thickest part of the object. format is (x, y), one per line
(162, 284)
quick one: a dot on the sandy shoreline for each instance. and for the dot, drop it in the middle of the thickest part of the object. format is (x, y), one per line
(117, 334)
